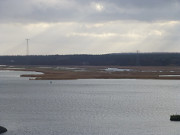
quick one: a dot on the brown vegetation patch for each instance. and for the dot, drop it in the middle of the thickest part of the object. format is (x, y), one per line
(98, 72)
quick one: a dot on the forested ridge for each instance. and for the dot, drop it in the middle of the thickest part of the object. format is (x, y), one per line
(119, 59)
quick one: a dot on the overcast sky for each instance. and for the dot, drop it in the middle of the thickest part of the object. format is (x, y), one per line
(89, 27)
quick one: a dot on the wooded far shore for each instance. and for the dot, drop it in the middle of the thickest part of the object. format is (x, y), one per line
(116, 59)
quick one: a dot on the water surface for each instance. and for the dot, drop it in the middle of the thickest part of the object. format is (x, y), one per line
(88, 107)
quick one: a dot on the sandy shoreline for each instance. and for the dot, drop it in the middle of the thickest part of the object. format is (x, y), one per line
(97, 72)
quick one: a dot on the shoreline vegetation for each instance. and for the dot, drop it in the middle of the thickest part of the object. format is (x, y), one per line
(97, 72)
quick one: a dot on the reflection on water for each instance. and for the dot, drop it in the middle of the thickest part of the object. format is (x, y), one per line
(88, 107)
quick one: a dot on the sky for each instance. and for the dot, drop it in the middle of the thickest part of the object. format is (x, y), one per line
(89, 26)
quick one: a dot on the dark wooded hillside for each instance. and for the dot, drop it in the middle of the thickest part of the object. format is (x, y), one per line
(121, 59)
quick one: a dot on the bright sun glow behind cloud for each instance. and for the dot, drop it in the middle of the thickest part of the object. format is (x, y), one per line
(98, 6)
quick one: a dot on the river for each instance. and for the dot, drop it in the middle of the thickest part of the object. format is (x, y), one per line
(88, 106)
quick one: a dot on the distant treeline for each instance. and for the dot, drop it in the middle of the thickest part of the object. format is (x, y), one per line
(120, 59)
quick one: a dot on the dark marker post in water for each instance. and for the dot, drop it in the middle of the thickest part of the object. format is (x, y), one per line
(2, 130)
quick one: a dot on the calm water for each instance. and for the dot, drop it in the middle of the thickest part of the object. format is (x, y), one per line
(88, 107)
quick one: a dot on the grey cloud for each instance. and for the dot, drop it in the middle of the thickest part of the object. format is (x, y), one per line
(144, 3)
(80, 10)
(35, 11)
